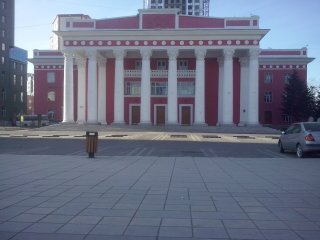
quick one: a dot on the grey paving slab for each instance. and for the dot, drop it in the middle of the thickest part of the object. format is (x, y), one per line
(127, 197)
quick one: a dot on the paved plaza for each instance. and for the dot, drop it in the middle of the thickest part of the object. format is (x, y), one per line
(149, 197)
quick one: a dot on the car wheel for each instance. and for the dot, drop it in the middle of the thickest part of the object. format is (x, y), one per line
(299, 151)
(281, 149)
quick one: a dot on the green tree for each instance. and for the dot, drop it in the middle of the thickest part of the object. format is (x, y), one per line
(297, 101)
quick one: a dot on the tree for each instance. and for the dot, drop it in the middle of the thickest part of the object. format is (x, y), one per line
(317, 103)
(297, 101)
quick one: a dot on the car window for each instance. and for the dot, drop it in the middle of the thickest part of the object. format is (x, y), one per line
(297, 128)
(311, 127)
(289, 129)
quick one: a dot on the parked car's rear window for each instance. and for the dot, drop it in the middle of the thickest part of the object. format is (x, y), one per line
(312, 126)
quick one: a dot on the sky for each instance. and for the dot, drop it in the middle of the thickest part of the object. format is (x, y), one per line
(293, 24)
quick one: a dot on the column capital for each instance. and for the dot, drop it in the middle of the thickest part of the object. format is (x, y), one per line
(220, 61)
(91, 54)
(200, 53)
(68, 53)
(254, 53)
(119, 53)
(173, 53)
(244, 61)
(228, 53)
(81, 61)
(145, 53)
(101, 60)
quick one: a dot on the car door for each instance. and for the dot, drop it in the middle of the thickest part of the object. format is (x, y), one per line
(293, 137)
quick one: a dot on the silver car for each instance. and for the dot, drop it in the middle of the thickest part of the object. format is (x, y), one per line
(301, 138)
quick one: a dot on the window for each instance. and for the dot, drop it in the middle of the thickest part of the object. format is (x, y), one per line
(2, 60)
(186, 88)
(138, 64)
(51, 77)
(133, 88)
(161, 65)
(21, 97)
(3, 95)
(21, 81)
(286, 118)
(14, 65)
(287, 77)
(159, 88)
(3, 33)
(14, 79)
(3, 5)
(51, 96)
(4, 111)
(14, 97)
(3, 46)
(268, 78)
(21, 67)
(3, 19)
(183, 65)
(268, 97)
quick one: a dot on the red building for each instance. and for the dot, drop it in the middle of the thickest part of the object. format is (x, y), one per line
(159, 67)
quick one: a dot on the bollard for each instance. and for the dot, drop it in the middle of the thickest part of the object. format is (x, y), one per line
(92, 143)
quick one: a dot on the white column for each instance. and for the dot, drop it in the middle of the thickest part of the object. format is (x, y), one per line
(145, 87)
(92, 88)
(253, 88)
(172, 87)
(227, 99)
(244, 77)
(102, 90)
(199, 117)
(119, 87)
(81, 62)
(68, 112)
(220, 91)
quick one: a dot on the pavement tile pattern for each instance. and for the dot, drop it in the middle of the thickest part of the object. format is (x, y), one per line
(159, 198)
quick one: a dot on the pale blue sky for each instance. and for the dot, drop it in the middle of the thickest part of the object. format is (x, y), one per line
(292, 23)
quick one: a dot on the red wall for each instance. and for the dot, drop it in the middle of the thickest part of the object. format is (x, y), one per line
(276, 87)
(211, 91)
(110, 89)
(236, 91)
(154, 21)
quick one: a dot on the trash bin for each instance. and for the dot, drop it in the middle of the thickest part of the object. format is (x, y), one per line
(92, 143)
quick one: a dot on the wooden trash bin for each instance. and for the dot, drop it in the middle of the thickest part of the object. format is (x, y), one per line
(91, 143)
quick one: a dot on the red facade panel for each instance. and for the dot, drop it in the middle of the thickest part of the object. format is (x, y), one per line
(157, 21)
(211, 91)
(200, 22)
(238, 23)
(236, 91)
(118, 23)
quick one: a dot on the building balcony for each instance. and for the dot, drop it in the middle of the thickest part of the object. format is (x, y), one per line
(160, 73)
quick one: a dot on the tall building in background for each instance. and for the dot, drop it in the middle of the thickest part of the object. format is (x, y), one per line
(13, 68)
(187, 7)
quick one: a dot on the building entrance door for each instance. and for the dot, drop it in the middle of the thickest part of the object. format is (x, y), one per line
(160, 115)
(135, 115)
(185, 115)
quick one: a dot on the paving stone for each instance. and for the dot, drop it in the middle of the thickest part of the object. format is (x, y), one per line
(13, 226)
(26, 217)
(142, 231)
(176, 222)
(238, 224)
(210, 233)
(281, 235)
(57, 218)
(86, 220)
(43, 227)
(270, 224)
(102, 229)
(71, 228)
(175, 232)
(309, 235)
(248, 234)
(146, 222)
(47, 236)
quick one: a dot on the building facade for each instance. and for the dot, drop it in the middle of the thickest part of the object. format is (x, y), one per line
(161, 67)
(187, 7)
(13, 68)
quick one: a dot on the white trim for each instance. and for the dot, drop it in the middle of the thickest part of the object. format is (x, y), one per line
(130, 111)
(155, 113)
(191, 112)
